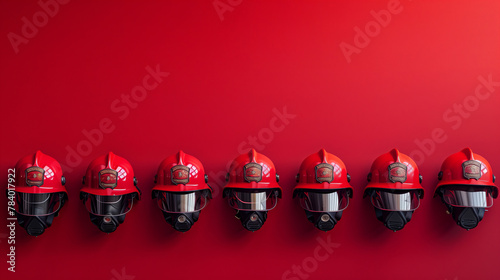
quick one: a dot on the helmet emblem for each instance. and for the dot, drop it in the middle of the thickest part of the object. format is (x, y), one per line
(108, 178)
(34, 176)
(252, 172)
(397, 172)
(471, 169)
(180, 174)
(324, 173)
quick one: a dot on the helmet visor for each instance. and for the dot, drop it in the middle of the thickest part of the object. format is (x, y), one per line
(324, 202)
(38, 204)
(109, 205)
(396, 201)
(463, 197)
(172, 202)
(264, 200)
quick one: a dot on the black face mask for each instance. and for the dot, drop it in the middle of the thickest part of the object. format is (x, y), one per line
(181, 221)
(324, 221)
(107, 224)
(35, 225)
(252, 220)
(393, 220)
(110, 222)
(466, 217)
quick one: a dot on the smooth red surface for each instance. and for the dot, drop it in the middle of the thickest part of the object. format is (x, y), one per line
(227, 80)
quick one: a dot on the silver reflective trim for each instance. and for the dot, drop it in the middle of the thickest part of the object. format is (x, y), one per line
(181, 203)
(472, 199)
(407, 201)
(255, 201)
(400, 202)
(324, 202)
(252, 201)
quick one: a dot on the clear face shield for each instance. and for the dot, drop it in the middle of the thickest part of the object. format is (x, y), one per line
(185, 202)
(38, 204)
(467, 204)
(104, 205)
(324, 209)
(461, 196)
(252, 205)
(335, 201)
(401, 200)
(253, 200)
(395, 207)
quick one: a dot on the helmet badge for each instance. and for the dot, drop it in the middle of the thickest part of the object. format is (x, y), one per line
(397, 172)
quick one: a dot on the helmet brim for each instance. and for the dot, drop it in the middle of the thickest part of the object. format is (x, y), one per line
(253, 186)
(471, 184)
(325, 186)
(42, 189)
(108, 191)
(182, 188)
(395, 186)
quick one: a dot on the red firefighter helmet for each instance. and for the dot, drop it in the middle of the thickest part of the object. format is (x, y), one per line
(40, 192)
(252, 188)
(110, 175)
(466, 168)
(394, 188)
(39, 173)
(181, 190)
(323, 189)
(252, 171)
(394, 171)
(108, 192)
(323, 171)
(466, 186)
(181, 173)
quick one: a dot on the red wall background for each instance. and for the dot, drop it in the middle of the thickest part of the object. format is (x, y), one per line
(415, 82)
